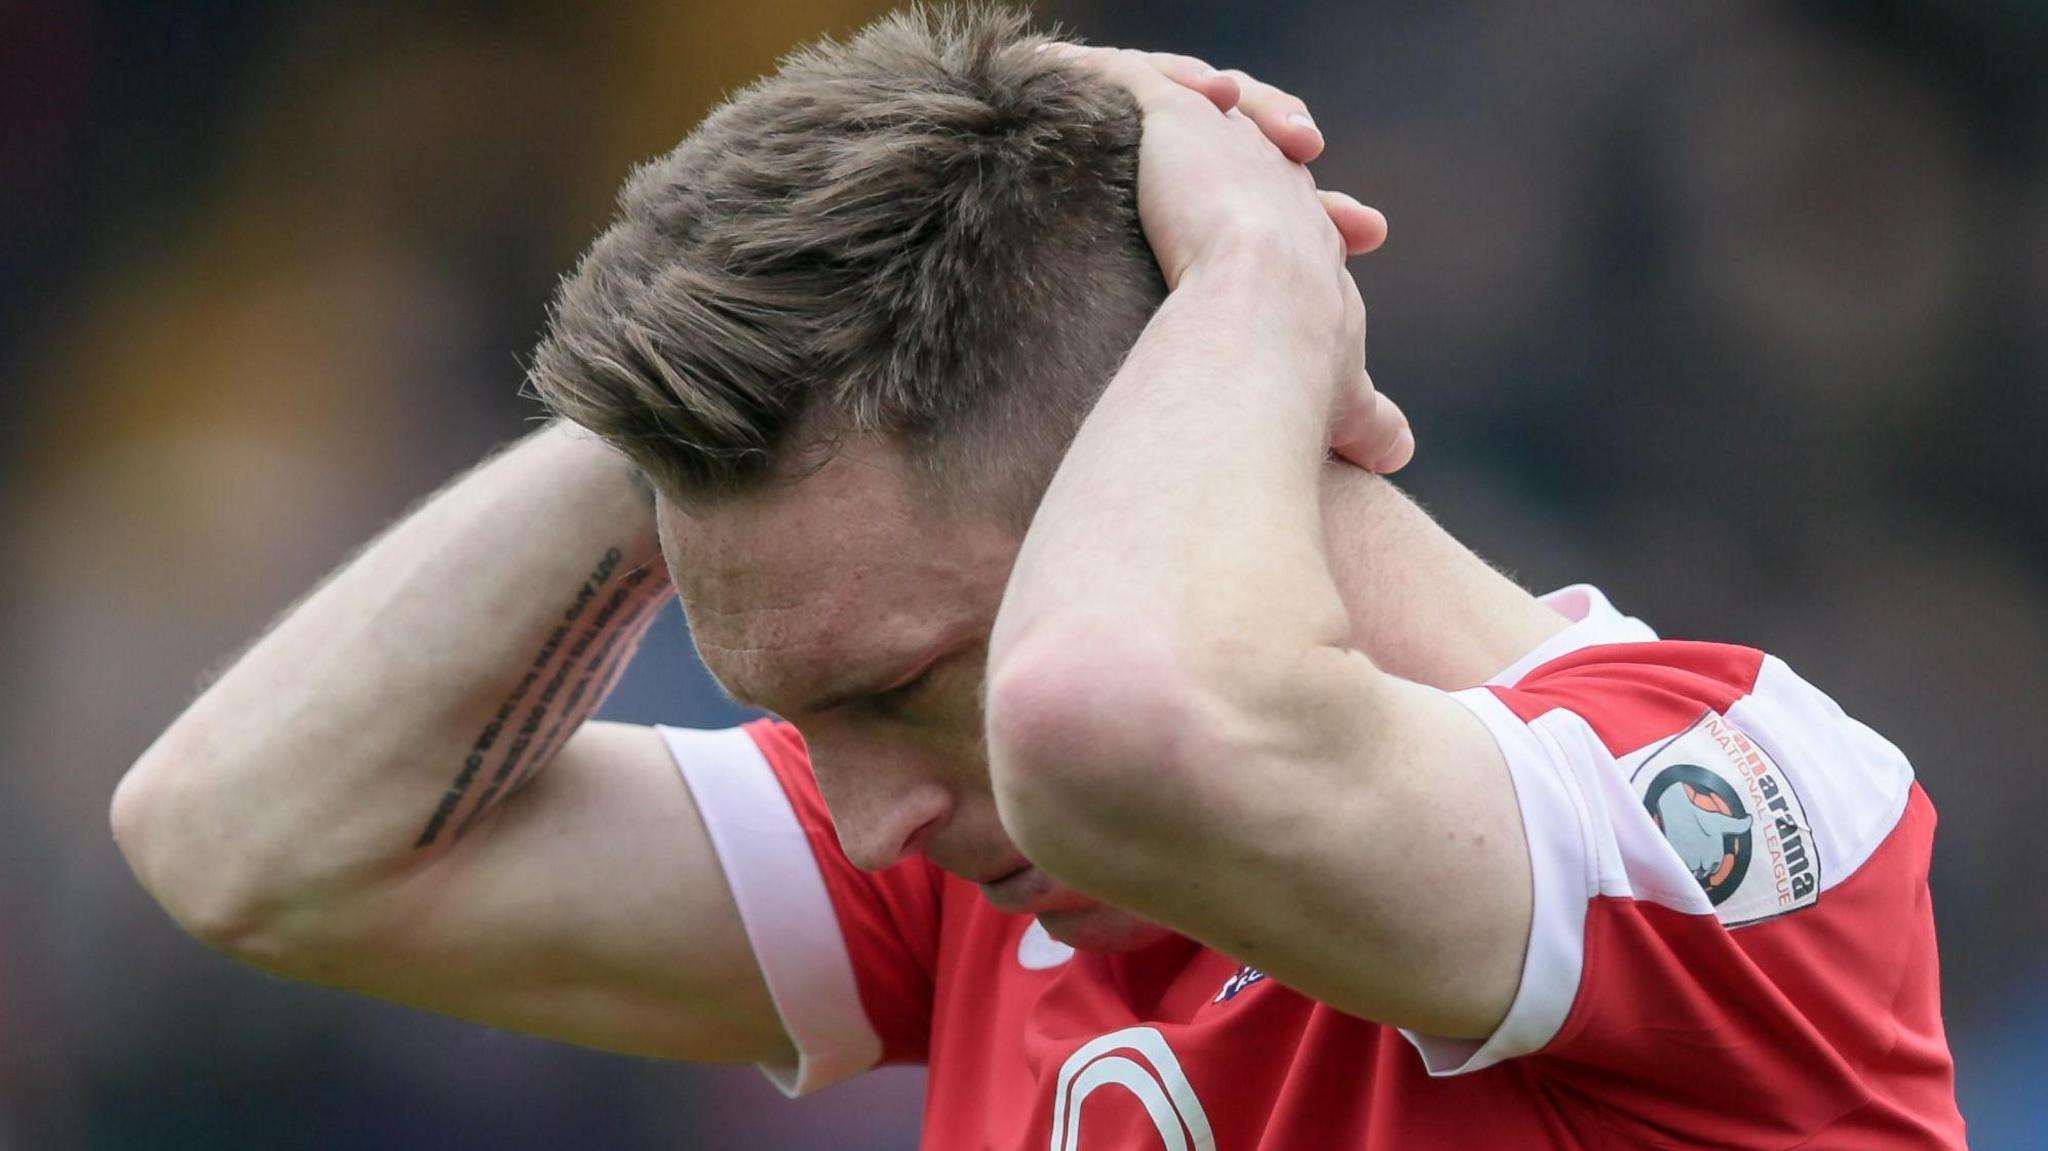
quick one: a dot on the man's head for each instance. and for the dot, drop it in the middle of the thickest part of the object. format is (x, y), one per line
(848, 328)
(927, 233)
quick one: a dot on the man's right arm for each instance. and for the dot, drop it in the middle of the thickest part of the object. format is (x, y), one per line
(395, 791)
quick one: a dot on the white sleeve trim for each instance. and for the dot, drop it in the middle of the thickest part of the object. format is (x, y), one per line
(783, 902)
(1594, 621)
(1563, 864)
(1854, 783)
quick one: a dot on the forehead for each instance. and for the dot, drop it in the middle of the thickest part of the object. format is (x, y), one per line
(832, 579)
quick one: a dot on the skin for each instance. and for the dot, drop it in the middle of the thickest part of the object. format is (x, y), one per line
(869, 631)
(847, 584)
(793, 612)
(1179, 719)
(280, 818)
(1016, 711)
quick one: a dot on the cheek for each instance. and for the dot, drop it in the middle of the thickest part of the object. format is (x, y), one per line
(954, 737)
(860, 765)
(867, 766)
(837, 764)
(954, 719)
(954, 750)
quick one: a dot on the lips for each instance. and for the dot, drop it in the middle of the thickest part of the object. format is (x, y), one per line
(1001, 876)
(1019, 892)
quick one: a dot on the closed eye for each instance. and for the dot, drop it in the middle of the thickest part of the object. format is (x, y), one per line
(907, 692)
(929, 689)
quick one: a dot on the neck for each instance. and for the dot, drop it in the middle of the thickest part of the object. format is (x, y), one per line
(1422, 605)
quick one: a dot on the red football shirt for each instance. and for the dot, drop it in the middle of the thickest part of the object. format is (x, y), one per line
(1732, 946)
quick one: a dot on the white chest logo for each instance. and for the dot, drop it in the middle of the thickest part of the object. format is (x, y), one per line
(1136, 1060)
(1037, 951)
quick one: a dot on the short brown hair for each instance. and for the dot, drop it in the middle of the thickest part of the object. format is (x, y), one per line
(929, 231)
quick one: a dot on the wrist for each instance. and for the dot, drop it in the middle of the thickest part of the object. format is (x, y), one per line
(610, 487)
(1281, 307)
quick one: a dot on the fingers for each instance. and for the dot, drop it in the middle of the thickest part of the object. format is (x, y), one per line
(1134, 70)
(1220, 87)
(1364, 228)
(1283, 117)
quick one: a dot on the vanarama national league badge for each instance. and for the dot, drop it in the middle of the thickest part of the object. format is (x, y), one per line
(1734, 820)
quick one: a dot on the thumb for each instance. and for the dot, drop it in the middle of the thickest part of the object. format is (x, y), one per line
(1372, 431)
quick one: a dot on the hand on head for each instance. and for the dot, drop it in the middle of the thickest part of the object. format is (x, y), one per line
(1222, 169)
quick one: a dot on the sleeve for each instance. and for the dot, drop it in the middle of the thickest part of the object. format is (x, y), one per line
(848, 955)
(1732, 936)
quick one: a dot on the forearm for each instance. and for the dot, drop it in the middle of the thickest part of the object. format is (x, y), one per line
(1172, 633)
(1421, 605)
(391, 711)
(1198, 506)
(1187, 514)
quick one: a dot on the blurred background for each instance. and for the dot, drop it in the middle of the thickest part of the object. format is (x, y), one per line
(1735, 309)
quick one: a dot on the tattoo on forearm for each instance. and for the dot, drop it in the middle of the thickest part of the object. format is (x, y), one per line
(612, 630)
(592, 646)
(601, 672)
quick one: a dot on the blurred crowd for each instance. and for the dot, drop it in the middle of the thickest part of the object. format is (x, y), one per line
(1733, 309)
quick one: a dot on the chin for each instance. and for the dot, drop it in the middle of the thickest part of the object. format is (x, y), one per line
(1101, 929)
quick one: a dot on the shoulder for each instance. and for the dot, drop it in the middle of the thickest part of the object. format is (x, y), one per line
(1633, 693)
(1722, 734)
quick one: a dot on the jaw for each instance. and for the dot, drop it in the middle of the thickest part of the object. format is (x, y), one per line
(1102, 929)
(1077, 920)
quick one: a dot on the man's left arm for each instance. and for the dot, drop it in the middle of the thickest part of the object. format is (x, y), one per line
(1178, 722)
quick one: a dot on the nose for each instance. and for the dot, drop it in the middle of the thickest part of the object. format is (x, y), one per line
(883, 815)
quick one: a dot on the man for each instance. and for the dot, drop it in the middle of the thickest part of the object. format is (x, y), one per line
(1161, 784)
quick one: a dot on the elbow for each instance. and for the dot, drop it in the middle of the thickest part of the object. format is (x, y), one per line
(1097, 742)
(183, 862)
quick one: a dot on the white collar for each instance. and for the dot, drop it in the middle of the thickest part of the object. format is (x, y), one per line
(1595, 621)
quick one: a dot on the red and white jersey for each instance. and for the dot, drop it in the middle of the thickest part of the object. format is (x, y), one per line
(1732, 947)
